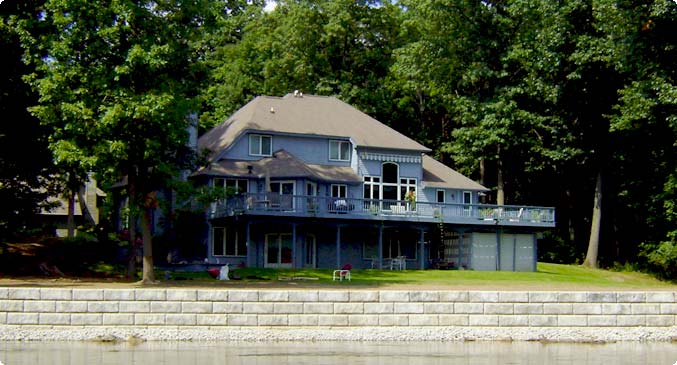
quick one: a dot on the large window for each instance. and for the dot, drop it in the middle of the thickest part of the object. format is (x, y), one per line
(395, 243)
(237, 185)
(390, 187)
(228, 241)
(260, 145)
(339, 150)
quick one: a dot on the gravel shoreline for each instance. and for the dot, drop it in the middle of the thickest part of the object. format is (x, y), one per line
(377, 334)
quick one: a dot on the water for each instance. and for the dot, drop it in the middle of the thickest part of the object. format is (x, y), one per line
(345, 353)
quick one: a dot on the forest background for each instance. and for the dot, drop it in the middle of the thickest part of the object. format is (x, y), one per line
(565, 103)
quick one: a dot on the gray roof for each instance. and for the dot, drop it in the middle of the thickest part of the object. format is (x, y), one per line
(280, 166)
(309, 114)
(439, 175)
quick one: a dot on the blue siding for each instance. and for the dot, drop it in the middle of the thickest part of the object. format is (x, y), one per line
(451, 195)
(313, 150)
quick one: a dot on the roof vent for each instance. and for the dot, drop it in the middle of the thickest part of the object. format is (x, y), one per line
(298, 94)
(272, 110)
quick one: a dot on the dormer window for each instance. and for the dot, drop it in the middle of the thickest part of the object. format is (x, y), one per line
(260, 145)
(339, 150)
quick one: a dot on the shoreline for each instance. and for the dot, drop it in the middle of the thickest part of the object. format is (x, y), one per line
(332, 334)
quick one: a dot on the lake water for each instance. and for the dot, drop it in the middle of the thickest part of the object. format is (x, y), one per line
(345, 353)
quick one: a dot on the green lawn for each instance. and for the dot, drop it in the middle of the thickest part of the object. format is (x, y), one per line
(547, 277)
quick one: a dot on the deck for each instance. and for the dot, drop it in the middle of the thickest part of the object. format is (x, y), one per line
(300, 206)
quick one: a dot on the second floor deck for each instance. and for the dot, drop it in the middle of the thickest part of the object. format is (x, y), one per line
(299, 206)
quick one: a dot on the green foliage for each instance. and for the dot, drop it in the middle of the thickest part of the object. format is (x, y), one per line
(320, 47)
(549, 93)
(662, 258)
(25, 161)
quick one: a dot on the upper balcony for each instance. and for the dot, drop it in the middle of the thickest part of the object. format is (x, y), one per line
(271, 204)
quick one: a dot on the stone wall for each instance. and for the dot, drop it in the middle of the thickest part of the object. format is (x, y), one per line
(184, 308)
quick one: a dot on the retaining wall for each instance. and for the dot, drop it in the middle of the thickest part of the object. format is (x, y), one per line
(333, 308)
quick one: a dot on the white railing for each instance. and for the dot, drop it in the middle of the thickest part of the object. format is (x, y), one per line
(301, 205)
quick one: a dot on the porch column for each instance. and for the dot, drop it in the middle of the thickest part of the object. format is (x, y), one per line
(421, 243)
(380, 247)
(459, 261)
(338, 246)
(498, 249)
(251, 249)
(293, 246)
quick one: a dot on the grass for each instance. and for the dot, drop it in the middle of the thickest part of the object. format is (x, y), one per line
(547, 277)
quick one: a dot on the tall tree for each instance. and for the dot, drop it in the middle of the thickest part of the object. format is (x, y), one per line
(120, 80)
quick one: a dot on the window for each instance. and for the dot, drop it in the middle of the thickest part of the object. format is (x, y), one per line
(467, 197)
(260, 145)
(339, 191)
(339, 150)
(390, 172)
(227, 241)
(390, 176)
(372, 187)
(440, 196)
(236, 185)
(408, 190)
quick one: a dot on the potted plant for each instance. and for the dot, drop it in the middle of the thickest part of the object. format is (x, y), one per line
(410, 197)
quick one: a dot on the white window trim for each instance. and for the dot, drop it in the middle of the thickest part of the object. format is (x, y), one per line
(371, 184)
(468, 193)
(260, 152)
(340, 143)
(331, 190)
(444, 196)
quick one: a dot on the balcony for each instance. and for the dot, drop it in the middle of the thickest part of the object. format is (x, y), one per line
(271, 204)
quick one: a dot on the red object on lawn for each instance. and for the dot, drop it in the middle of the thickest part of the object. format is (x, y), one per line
(214, 272)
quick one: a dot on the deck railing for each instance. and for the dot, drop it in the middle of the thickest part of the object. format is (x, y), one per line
(329, 207)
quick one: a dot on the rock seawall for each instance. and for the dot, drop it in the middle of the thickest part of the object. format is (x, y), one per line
(391, 315)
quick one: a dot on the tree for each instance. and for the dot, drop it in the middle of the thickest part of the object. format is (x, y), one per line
(25, 161)
(320, 47)
(120, 80)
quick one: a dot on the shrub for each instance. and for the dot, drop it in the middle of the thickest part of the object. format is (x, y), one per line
(662, 257)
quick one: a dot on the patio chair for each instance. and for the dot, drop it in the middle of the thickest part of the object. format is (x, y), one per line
(374, 262)
(344, 273)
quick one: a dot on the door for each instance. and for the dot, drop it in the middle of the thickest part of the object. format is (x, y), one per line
(279, 250)
(467, 200)
(282, 195)
(311, 193)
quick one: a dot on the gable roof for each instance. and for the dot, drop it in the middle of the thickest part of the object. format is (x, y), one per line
(439, 175)
(281, 165)
(307, 114)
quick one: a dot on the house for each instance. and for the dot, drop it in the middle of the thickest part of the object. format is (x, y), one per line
(87, 209)
(320, 184)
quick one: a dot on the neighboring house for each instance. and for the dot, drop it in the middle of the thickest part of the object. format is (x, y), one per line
(88, 203)
(321, 184)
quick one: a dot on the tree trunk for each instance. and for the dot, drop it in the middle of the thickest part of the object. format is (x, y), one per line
(131, 197)
(86, 214)
(483, 198)
(593, 244)
(70, 220)
(148, 273)
(131, 262)
(500, 193)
